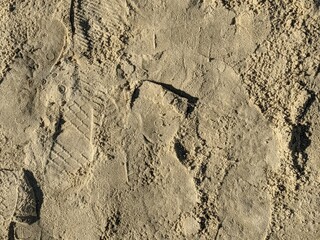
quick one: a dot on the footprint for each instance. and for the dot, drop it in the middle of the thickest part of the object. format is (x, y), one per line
(29, 201)
(159, 181)
(9, 184)
(20, 201)
(111, 15)
(244, 150)
(52, 40)
(25, 231)
(234, 37)
(20, 89)
(72, 150)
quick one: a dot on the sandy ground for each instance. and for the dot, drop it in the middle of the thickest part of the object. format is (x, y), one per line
(159, 119)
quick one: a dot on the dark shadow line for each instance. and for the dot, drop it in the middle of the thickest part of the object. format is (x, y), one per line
(58, 128)
(29, 177)
(71, 16)
(11, 231)
(192, 101)
(134, 96)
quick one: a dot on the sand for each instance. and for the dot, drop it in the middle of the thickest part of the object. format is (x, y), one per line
(159, 119)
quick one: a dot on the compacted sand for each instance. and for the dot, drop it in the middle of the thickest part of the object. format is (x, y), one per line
(159, 119)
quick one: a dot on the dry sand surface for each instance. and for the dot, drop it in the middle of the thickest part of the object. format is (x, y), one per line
(159, 119)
